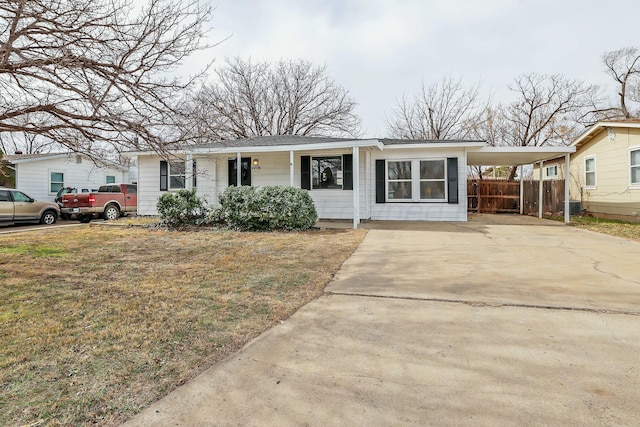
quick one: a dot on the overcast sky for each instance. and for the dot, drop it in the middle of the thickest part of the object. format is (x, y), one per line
(381, 49)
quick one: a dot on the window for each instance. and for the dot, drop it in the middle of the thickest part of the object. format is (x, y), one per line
(111, 179)
(56, 182)
(551, 171)
(4, 196)
(326, 172)
(176, 175)
(416, 180)
(19, 196)
(634, 166)
(590, 172)
(432, 180)
(399, 185)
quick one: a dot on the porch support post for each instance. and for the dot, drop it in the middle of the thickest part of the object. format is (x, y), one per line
(291, 168)
(540, 190)
(521, 190)
(238, 169)
(567, 214)
(188, 172)
(356, 186)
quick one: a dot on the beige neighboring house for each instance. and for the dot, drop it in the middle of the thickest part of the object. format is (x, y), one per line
(605, 169)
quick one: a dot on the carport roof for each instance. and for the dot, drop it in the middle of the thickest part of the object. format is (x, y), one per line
(508, 156)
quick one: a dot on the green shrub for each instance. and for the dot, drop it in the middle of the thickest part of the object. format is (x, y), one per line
(267, 208)
(181, 208)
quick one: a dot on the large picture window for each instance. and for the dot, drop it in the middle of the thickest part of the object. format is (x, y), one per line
(326, 172)
(634, 166)
(416, 180)
(56, 182)
(590, 172)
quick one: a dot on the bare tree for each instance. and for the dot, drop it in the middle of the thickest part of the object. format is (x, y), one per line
(543, 112)
(255, 99)
(623, 65)
(446, 109)
(94, 73)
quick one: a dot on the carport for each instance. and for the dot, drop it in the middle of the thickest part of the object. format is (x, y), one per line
(520, 156)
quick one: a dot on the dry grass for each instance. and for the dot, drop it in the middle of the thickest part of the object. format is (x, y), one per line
(98, 322)
(627, 230)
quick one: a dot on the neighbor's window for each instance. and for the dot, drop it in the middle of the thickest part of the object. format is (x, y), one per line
(590, 172)
(551, 171)
(634, 164)
(56, 182)
(326, 172)
(416, 180)
(111, 179)
(176, 175)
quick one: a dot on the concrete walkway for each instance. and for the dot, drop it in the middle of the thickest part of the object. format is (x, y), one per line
(483, 323)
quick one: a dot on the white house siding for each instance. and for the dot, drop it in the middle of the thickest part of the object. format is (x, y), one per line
(422, 211)
(273, 169)
(33, 176)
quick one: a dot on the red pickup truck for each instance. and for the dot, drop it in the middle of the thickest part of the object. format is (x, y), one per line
(109, 202)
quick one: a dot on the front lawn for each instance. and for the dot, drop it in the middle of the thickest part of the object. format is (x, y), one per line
(98, 322)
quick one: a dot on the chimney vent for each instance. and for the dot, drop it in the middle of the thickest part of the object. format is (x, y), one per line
(18, 153)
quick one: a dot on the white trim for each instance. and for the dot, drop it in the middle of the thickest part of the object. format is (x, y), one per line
(633, 185)
(595, 172)
(105, 162)
(473, 144)
(589, 133)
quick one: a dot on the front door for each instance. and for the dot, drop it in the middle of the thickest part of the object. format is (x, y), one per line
(245, 173)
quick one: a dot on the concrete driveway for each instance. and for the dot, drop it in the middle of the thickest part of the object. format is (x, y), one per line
(507, 321)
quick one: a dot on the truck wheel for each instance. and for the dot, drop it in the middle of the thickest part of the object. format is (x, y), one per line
(111, 212)
(85, 219)
(49, 217)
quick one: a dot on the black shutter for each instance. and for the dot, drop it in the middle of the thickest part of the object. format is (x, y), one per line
(194, 182)
(305, 172)
(347, 172)
(164, 175)
(233, 176)
(380, 181)
(452, 179)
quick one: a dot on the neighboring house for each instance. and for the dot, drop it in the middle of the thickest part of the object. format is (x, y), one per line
(42, 175)
(605, 169)
(377, 179)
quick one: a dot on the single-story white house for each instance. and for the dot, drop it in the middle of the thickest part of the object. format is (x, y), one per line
(358, 179)
(42, 175)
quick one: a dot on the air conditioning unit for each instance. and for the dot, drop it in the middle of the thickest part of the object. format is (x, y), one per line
(575, 207)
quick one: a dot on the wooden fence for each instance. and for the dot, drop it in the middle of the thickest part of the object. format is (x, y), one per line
(492, 196)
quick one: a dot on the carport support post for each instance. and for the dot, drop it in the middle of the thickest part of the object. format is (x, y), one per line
(567, 214)
(521, 190)
(540, 190)
(238, 169)
(356, 186)
(291, 168)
